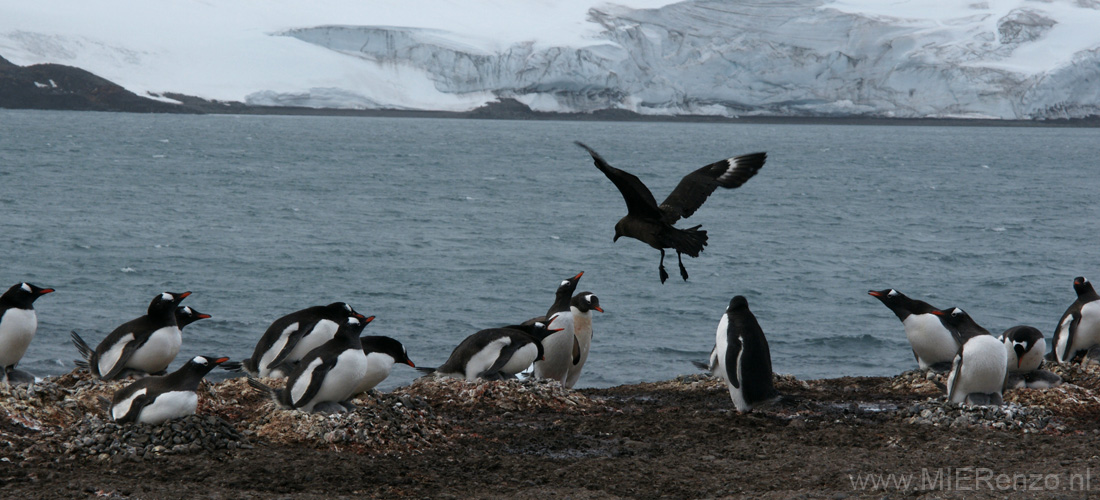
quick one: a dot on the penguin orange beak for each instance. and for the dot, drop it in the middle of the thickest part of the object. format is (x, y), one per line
(44, 291)
(554, 329)
(939, 313)
(874, 293)
(367, 319)
(204, 316)
(598, 308)
(220, 361)
(410, 363)
(578, 276)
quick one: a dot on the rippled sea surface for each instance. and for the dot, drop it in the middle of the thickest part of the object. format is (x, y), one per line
(442, 227)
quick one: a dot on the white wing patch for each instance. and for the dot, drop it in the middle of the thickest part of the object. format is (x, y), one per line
(108, 360)
(730, 168)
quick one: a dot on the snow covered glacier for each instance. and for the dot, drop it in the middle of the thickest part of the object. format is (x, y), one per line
(1011, 59)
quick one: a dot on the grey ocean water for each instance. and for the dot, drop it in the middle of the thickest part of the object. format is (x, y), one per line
(442, 227)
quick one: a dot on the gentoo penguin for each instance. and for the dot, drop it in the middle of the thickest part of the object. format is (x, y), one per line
(327, 377)
(931, 340)
(561, 343)
(153, 400)
(581, 308)
(980, 368)
(741, 357)
(184, 316)
(1025, 348)
(147, 344)
(382, 352)
(653, 224)
(290, 337)
(493, 353)
(18, 322)
(1079, 328)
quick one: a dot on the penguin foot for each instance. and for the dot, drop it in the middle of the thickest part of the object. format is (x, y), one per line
(980, 399)
(347, 405)
(664, 274)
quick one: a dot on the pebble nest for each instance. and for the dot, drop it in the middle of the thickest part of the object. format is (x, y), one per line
(940, 413)
(528, 395)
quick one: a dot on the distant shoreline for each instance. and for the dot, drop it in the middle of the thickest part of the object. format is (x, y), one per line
(65, 88)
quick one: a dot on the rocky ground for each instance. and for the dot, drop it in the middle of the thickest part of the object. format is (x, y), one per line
(834, 438)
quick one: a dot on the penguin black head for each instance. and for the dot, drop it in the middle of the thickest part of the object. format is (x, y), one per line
(568, 285)
(953, 316)
(23, 295)
(203, 364)
(166, 301)
(338, 308)
(737, 303)
(887, 296)
(586, 301)
(186, 315)
(1021, 339)
(388, 346)
(1082, 286)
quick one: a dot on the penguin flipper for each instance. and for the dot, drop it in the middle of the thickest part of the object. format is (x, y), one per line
(427, 372)
(702, 366)
(233, 366)
(1071, 330)
(136, 406)
(576, 350)
(733, 354)
(271, 392)
(127, 351)
(291, 343)
(81, 346)
(104, 403)
(503, 357)
(956, 375)
(316, 379)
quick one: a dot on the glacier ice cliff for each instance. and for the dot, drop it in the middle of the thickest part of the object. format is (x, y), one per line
(799, 57)
(1006, 59)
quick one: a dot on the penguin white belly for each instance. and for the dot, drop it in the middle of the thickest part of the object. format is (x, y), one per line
(929, 339)
(483, 359)
(17, 329)
(1061, 337)
(521, 359)
(378, 368)
(158, 352)
(169, 405)
(340, 382)
(275, 349)
(582, 329)
(557, 350)
(1088, 330)
(123, 407)
(718, 361)
(982, 371)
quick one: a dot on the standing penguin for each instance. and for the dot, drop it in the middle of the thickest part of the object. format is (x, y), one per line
(559, 346)
(741, 357)
(581, 308)
(1078, 330)
(382, 353)
(1025, 347)
(931, 340)
(153, 400)
(18, 323)
(327, 377)
(494, 353)
(980, 368)
(290, 337)
(145, 345)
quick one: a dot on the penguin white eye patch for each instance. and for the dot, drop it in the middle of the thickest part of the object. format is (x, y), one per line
(166, 296)
(26, 288)
(893, 293)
